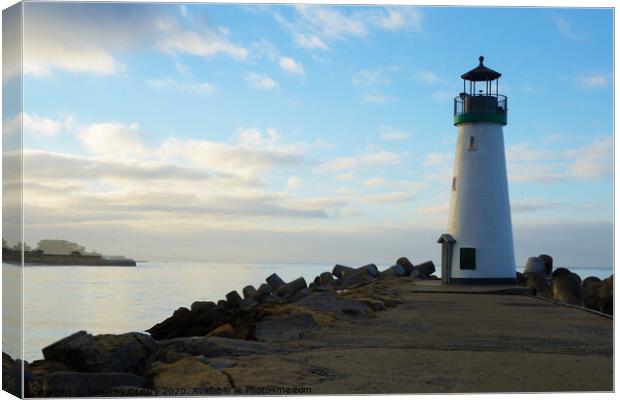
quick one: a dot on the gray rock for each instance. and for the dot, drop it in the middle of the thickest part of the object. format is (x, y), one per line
(277, 328)
(589, 292)
(567, 289)
(427, 268)
(274, 281)
(394, 270)
(534, 265)
(325, 278)
(263, 291)
(406, 264)
(298, 284)
(214, 346)
(249, 292)
(370, 269)
(548, 260)
(201, 306)
(538, 282)
(300, 295)
(340, 271)
(80, 384)
(248, 305)
(332, 303)
(221, 363)
(285, 292)
(128, 352)
(233, 299)
(606, 296)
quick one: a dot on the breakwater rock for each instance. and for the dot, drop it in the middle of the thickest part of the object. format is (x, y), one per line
(562, 285)
(191, 351)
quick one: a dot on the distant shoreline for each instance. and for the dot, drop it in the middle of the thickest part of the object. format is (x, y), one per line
(37, 258)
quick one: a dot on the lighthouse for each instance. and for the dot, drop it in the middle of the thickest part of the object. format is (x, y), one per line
(478, 246)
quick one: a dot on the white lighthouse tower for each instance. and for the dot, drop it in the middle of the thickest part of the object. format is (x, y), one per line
(478, 247)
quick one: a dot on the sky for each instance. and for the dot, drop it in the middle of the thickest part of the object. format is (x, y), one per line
(297, 133)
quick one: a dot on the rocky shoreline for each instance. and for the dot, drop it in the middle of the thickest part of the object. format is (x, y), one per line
(250, 343)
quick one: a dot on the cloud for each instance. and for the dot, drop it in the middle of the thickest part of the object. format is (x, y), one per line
(260, 82)
(366, 160)
(291, 66)
(395, 197)
(594, 161)
(438, 159)
(593, 81)
(565, 27)
(428, 77)
(591, 162)
(370, 77)
(112, 139)
(309, 42)
(314, 27)
(205, 44)
(393, 134)
(401, 18)
(293, 182)
(169, 83)
(36, 125)
(92, 38)
(377, 181)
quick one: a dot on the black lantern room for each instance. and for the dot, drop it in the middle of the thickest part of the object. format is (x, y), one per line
(480, 100)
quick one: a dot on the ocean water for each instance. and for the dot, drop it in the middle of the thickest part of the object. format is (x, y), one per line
(59, 301)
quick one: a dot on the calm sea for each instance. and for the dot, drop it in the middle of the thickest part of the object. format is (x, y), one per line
(62, 300)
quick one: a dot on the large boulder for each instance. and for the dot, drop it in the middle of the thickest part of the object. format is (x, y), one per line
(214, 346)
(538, 282)
(340, 271)
(589, 292)
(427, 268)
(89, 384)
(198, 307)
(179, 321)
(393, 271)
(330, 302)
(548, 260)
(186, 377)
(326, 278)
(128, 352)
(225, 330)
(274, 281)
(535, 265)
(606, 296)
(406, 264)
(370, 269)
(277, 328)
(566, 288)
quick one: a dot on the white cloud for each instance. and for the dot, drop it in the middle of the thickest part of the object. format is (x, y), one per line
(393, 134)
(365, 160)
(113, 139)
(313, 27)
(37, 125)
(206, 45)
(42, 57)
(565, 27)
(593, 81)
(293, 182)
(428, 77)
(370, 77)
(310, 41)
(347, 176)
(261, 82)
(372, 182)
(594, 161)
(438, 159)
(395, 197)
(193, 87)
(291, 66)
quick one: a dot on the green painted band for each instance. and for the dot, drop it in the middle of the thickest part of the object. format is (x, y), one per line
(481, 116)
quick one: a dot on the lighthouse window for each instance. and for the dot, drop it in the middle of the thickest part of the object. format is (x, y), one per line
(468, 258)
(472, 143)
(454, 184)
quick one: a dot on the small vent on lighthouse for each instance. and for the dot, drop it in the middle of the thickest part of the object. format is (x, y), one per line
(472, 143)
(454, 183)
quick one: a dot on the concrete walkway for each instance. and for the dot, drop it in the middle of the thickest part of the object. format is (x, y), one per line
(443, 341)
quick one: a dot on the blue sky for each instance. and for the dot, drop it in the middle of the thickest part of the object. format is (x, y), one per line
(325, 128)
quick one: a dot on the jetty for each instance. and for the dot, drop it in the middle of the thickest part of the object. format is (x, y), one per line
(36, 257)
(350, 331)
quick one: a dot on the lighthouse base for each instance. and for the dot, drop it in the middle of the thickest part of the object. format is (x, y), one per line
(483, 281)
